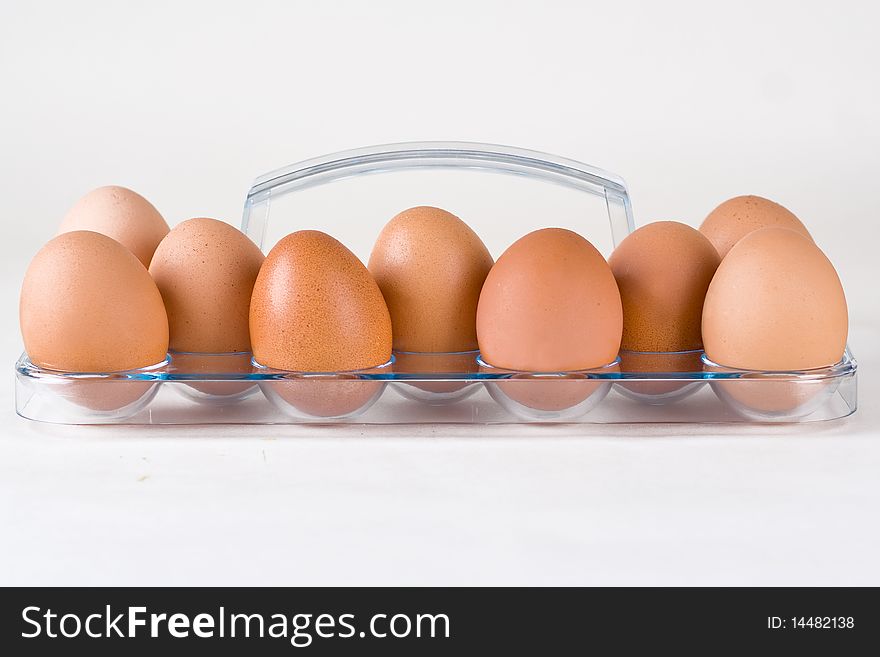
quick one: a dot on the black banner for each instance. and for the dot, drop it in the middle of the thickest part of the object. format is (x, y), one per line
(435, 621)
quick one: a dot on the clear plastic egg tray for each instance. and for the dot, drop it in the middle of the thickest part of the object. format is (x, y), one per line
(502, 193)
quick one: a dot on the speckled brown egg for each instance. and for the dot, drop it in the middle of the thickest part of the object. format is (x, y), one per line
(89, 305)
(739, 216)
(316, 308)
(122, 214)
(775, 303)
(550, 304)
(205, 270)
(663, 271)
(430, 267)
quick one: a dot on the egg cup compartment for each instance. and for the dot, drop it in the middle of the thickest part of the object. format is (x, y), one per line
(670, 371)
(199, 368)
(323, 396)
(437, 375)
(549, 396)
(486, 395)
(535, 190)
(782, 396)
(98, 397)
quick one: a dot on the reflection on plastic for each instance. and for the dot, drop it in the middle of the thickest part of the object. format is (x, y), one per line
(106, 400)
(550, 397)
(207, 365)
(81, 398)
(323, 396)
(659, 392)
(773, 396)
(437, 393)
(780, 401)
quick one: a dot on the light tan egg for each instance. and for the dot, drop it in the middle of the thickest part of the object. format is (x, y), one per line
(775, 304)
(88, 305)
(122, 214)
(205, 270)
(739, 216)
(663, 270)
(430, 267)
(550, 304)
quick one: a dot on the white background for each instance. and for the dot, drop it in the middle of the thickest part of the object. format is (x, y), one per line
(691, 102)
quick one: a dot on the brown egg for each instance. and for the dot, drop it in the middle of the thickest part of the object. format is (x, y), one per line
(663, 271)
(205, 270)
(550, 304)
(122, 214)
(315, 308)
(739, 216)
(88, 305)
(775, 303)
(430, 267)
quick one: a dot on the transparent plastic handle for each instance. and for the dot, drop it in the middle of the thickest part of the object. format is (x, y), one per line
(438, 155)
